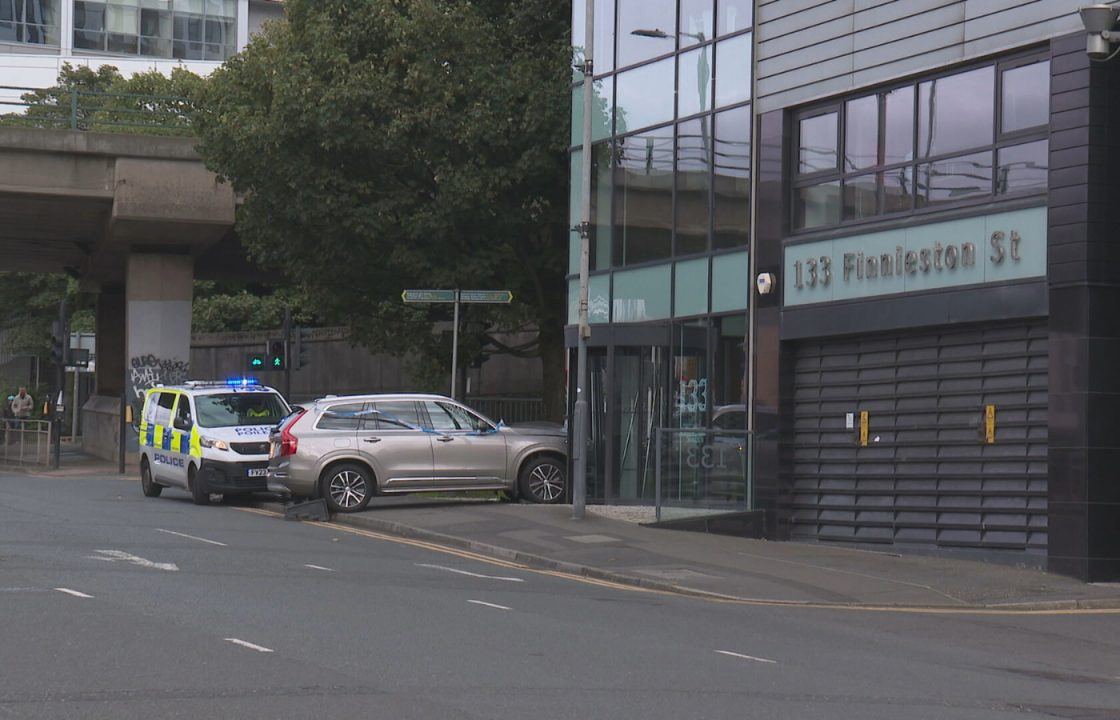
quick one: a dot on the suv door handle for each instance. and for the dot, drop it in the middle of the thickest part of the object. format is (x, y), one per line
(372, 440)
(445, 438)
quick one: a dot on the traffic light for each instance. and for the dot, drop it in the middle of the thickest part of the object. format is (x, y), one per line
(256, 361)
(277, 355)
(301, 350)
(58, 343)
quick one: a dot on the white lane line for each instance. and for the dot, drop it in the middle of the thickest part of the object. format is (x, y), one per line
(192, 537)
(317, 567)
(75, 593)
(469, 574)
(251, 646)
(114, 555)
(747, 657)
(490, 605)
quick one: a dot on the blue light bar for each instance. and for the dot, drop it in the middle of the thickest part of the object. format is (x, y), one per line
(243, 382)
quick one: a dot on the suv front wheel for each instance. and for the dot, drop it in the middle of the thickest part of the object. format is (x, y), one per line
(543, 480)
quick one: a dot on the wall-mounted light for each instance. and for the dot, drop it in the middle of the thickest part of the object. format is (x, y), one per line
(1099, 21)
(765, 283)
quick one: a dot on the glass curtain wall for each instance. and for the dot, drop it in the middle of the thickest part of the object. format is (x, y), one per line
(181, 29)
(670, 196)
(34, 22)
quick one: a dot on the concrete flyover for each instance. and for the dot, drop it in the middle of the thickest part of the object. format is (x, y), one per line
(135, 218)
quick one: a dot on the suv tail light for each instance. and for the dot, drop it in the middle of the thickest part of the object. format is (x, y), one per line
(290, 443)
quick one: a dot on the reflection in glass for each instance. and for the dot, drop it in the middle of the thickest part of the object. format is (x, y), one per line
(732, 197)
(861, 133)
(898, 190)
(733, 15)
(1023, 167)
(644, 96)
(29, 21)
(861, 196)
(817, 149)
(645, 30)
(643, 197)
(898, 145)
(696, 22)
(694, 149)
(602, 107)
(733, 71)
(694, 89)
(604, 36)
(955, 179)
(955, 112)
(818, 205)
(639, 385)
(602, 195)
(1026, 97)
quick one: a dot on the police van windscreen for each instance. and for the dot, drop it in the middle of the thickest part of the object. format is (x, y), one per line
(238, 409)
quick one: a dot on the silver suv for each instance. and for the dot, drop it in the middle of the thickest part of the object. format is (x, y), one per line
(346, 449)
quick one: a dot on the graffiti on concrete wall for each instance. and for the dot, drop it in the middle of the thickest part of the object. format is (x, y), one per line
(147, 371)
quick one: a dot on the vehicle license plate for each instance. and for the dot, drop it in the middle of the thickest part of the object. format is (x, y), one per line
(258, 472)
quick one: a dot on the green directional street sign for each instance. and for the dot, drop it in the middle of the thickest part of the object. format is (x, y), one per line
(497, 297)
(428, 296)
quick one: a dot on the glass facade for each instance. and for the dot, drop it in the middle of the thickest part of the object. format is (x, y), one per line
(34, 22)
(968, 136)
(670, 202)
(180, 29)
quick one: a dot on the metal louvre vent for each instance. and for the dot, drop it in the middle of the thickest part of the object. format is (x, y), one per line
(926, 475)
(254, 448)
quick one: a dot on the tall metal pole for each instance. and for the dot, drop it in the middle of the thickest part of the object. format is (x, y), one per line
(57, 412)
(455, 349)
(579, 434)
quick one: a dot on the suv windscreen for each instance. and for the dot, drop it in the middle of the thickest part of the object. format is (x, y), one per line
(239, 409)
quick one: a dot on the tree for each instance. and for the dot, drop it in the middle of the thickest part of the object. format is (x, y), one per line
(388, 144)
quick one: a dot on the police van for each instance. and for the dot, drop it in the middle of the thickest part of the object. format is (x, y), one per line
(208, 437)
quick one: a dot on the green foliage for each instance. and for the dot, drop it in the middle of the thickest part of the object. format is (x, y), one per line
(29, 304)
(147, 103)
(228, 309)
(389, 144)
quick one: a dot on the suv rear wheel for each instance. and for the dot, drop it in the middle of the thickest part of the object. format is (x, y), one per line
(347, 487)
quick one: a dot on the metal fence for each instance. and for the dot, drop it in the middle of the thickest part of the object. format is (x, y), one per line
(511, 410)
(72, 109)
(25, 442)
(701, 471)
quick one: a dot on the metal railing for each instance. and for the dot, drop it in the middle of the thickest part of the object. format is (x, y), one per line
(511, 410)
(701, 471)
(60, 108)
(25, 442)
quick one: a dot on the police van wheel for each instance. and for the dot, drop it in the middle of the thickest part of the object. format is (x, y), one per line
(199, 493)
(146, 483)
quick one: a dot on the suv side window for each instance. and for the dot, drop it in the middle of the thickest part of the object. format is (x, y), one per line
(346, 416)
(439, 417)
(397, 415)
(465, 418)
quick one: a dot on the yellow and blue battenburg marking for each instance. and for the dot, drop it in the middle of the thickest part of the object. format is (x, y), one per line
(169, 439)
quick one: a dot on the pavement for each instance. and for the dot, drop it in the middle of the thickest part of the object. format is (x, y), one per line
(718, 566)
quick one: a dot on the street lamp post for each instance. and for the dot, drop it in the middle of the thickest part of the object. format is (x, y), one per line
(579, 434)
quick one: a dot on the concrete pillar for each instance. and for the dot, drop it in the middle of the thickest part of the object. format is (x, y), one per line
(101, 412)
(158, 295)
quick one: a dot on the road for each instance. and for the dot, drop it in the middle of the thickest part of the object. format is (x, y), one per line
(117, 606)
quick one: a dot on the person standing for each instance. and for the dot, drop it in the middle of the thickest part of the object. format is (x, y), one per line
(22, 405)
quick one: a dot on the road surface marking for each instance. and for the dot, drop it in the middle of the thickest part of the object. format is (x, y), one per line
(192, 537)
(469, 574)
(317, 567)
(251, 646)
(697, 594)
(747, 657)
(491, 605)
(75, 593)
(115, 555)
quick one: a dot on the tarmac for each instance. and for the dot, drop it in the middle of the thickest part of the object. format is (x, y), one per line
(721, 567)
(612, 544)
